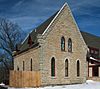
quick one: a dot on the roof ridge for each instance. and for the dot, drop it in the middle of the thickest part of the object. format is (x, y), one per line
(55, 17)
(90, 34)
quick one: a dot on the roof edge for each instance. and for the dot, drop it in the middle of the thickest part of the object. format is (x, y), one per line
(89, 33)
(65, 4)
(77, 26)
(26, 37)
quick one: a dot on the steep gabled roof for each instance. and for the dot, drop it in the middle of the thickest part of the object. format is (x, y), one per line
(91, 40)
(38, 30)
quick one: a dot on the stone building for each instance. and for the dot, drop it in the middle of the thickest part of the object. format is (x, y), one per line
(93, 44)
(57, 49)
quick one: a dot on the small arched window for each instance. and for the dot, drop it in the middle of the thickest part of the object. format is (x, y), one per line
(31, 64)
(17, 68)
(66, 68)
(53, 67)
(69, 45)
(62, 44)
(78, 68)
(23, 65)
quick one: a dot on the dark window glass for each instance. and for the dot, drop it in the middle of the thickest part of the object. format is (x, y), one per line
(69, 45)
(23, 66)
(66, 68)
(17, 68)
(95, 71)
(53, 67)
(78, 68)
(31, 64)
(62, 44)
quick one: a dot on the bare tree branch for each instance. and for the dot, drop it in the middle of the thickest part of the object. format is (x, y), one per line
(10, 36)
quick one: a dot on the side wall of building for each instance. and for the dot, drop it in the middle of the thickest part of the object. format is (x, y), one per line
(51, 47)
(27, 57)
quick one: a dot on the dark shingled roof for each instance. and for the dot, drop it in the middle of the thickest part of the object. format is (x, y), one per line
(90, 39)
(39, 30)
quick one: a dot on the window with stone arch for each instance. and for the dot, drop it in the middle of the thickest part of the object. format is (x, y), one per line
(23, 65)
(31, 65)
(66, 68)
(62, 43)
(53, 67)
(78, 68)
(69, 45)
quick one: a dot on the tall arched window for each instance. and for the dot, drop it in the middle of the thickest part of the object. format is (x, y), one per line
(31, 64)
(69, 45)
(66, 68)
(23, 65)
(53, 66)
(78, 68)
(62, 44)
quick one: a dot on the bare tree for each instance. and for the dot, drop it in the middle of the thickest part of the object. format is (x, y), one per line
(10, 35)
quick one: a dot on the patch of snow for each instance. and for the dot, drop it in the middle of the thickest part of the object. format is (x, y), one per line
(90, 84)
(2, 84)
(90, 81)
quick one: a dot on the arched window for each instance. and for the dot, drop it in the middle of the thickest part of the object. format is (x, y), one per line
(66, 68)
(78, 68)
(62, 44)
(69, 45)
(31, 64)
(17, 68)
(23, 66)
(53, 66)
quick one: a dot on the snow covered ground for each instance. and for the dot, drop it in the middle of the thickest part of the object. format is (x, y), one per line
(88, 85)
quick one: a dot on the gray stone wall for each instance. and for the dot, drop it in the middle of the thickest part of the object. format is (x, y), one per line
(64, 25)
(26, 57)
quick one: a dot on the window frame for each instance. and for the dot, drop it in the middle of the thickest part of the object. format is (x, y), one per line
(31, 64)
(23, 65)
(78, 68)
(70, 45)
(53, 67)
(66, 67)
(62, 43)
